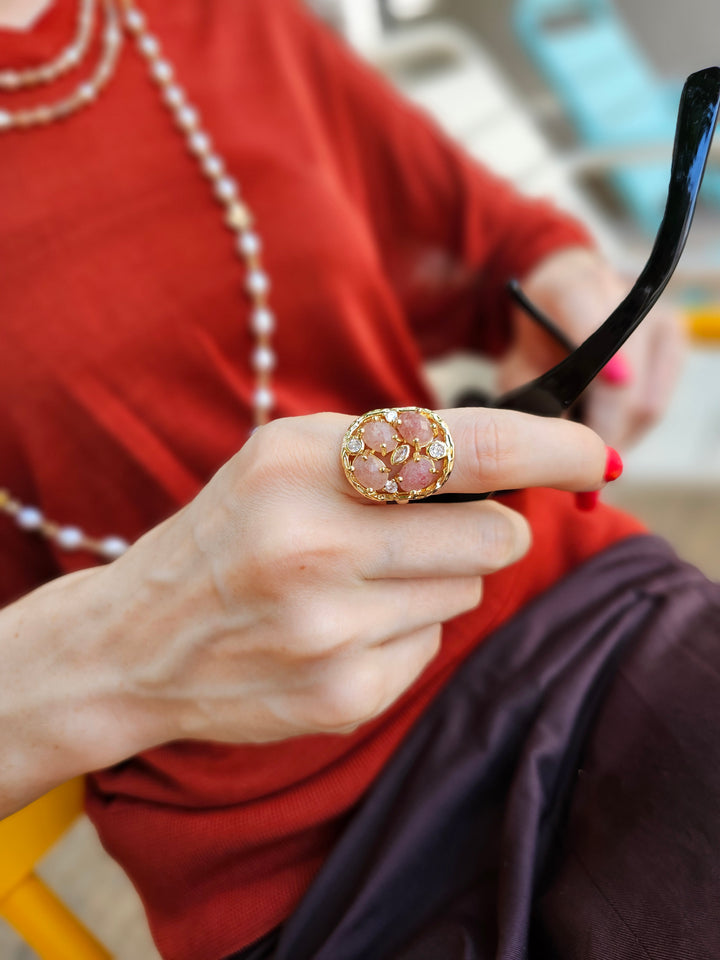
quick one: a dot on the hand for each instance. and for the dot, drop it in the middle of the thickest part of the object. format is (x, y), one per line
(578, 290)
(280, 603)
(277, 603)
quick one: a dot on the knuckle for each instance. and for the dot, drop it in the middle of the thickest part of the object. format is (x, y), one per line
(263, 455)
(318, 630)
(489, 449)
(353, 696)
(289, 550)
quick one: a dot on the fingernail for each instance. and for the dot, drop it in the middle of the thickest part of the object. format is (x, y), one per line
(617, 371)
(587, 500)
(613, 465)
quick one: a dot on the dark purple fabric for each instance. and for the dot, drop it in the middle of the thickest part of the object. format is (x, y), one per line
(561, 797)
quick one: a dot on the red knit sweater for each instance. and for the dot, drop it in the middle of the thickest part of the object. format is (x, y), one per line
(124, 381)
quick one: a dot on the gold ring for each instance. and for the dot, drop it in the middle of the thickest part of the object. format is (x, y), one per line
(397, 454)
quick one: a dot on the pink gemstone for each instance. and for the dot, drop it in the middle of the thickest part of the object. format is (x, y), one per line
(414, 426)
(376, 433)
(416, 474)
(369, 471)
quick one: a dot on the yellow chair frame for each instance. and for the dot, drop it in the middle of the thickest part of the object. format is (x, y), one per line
(28, 905)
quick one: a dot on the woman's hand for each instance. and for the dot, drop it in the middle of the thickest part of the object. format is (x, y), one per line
(281, 603)
(277, 603)
(579, 290)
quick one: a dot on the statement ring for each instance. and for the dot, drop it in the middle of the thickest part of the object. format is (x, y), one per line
(397, 454)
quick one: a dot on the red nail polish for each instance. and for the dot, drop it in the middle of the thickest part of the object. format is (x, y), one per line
(587, 500)
(617, 371)
(613, 465)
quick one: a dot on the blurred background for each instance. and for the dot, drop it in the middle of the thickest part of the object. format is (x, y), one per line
(572, 99)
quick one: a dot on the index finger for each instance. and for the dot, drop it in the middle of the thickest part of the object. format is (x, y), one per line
(507, 450)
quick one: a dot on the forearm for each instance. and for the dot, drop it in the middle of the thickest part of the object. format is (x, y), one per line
(62, 707)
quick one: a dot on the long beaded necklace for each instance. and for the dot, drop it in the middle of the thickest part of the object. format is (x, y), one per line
(237, 217)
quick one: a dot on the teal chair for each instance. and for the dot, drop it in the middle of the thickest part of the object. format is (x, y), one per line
(612, 96)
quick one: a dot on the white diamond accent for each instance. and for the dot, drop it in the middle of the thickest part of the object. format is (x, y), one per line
(401, 454)
(437, 449)
(391, 487)
(354, 445)
(391, 416)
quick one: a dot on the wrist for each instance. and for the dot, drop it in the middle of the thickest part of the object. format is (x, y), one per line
(64, 710)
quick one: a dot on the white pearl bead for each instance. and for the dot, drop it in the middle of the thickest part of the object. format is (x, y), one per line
(263, 398)
(262, 321)
(248, 243)
(174, 96)
(226, 189)
(199, 143)
(86, 92)
(187, 117)
(6, 119)
(212, 166)
(263, 359)
(257, 282)
(113, 37)
(104, 73)
(135, 20)
(113, 547)
(69, 538)
(148, 46)
(28, 518)
(72, 57)
(162, 71)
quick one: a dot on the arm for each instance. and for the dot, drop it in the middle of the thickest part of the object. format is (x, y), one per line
(579, 289)
(243, 618)
(448, 231)
(62, 710)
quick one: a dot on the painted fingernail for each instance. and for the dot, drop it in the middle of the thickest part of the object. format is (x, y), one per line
(617, 371)
(587, 500)
(613, 465)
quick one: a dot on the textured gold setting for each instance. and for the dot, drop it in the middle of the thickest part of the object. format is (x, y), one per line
(354, 449)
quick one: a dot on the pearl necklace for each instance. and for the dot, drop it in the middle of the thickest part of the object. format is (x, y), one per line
(83, 94)
(65, 60)
(237, 217)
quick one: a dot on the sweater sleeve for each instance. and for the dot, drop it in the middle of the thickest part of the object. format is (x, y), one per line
(449, 233)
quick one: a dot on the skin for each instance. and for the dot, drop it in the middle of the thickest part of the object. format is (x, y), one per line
(21, 14)
(277, 603)
(578, 289)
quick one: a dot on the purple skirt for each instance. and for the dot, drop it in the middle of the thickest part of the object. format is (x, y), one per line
(559, 799)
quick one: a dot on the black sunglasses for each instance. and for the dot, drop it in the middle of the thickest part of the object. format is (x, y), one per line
(552, 393)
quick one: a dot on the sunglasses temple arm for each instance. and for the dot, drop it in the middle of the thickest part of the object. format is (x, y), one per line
(557, 389)
(541, 319)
